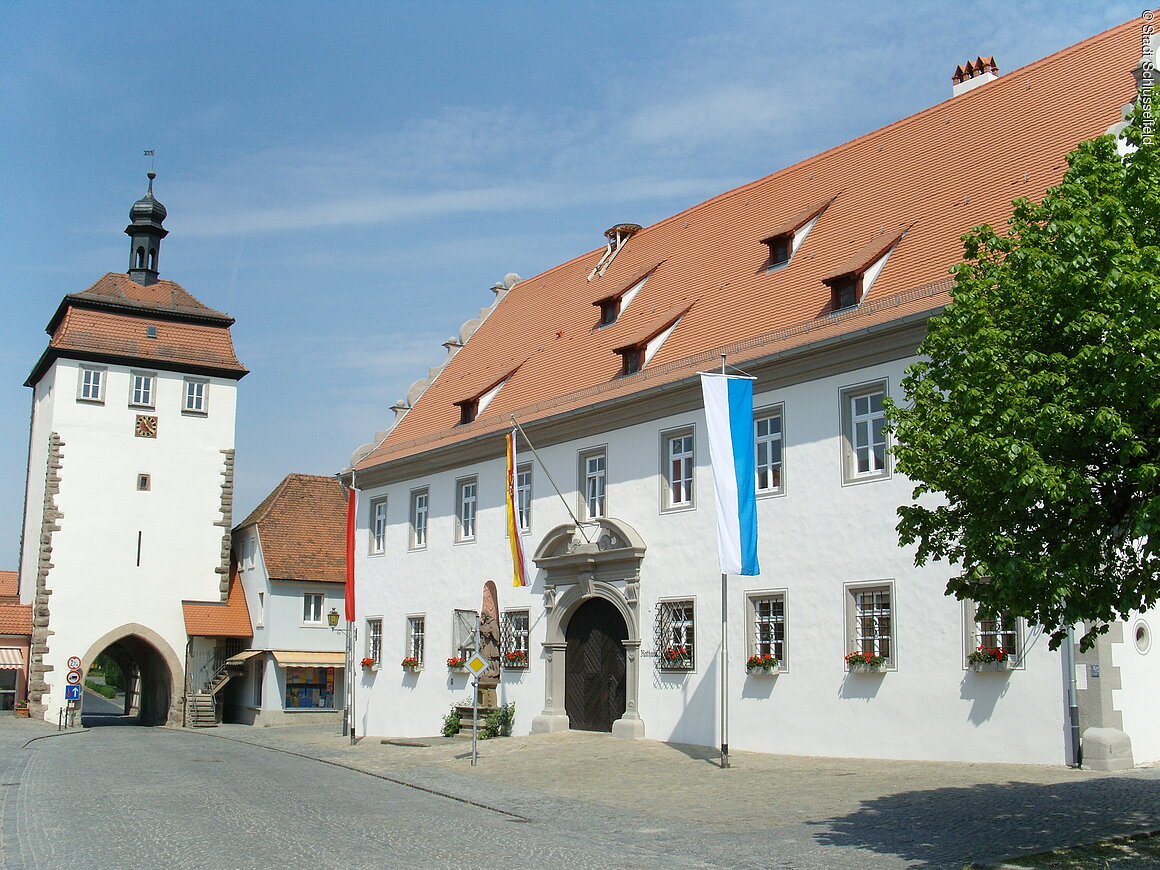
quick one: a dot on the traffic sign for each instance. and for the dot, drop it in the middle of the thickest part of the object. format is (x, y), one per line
(73, 678)
(477, 664)
(72, 693)
(74, 663)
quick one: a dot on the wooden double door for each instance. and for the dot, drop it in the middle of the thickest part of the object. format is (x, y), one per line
(594, 673)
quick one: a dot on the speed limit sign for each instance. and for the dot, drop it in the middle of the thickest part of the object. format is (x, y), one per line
(73, 678)
(74, 663)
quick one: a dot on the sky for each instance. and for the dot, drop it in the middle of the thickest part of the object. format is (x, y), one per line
(349, 180)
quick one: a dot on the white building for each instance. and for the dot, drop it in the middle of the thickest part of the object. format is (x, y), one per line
(818, 281)
(130, 479)
(290, 554)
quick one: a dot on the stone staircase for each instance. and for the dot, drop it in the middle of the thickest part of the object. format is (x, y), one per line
(487, 704)
(200, 710)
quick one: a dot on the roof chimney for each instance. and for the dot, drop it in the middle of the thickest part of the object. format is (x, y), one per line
(973, 73)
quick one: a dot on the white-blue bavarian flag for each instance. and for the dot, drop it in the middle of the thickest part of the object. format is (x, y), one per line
(729, 420)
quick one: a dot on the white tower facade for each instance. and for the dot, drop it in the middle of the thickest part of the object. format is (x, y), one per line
(130, 479)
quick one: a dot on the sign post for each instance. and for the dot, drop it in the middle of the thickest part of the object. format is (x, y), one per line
(477, 664)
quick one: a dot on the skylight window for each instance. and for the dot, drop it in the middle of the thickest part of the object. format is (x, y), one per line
(638, 354)
(470, 409)
(850, 284)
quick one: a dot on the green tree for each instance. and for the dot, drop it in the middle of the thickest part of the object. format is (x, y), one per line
(1032, 425)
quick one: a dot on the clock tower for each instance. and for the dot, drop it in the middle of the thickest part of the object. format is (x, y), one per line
(130, 478)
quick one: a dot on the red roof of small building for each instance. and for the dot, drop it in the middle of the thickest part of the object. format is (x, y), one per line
(935, 175)
(9, 584)
(108, 323)
(229, 618)
(302, 529)
(16, 619)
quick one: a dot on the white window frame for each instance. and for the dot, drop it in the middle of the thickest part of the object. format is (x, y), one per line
(678, 469)
(420, 517)
(853, 419)
(258, 675)
(975, 632)
(593, 483)
(771, 467)
(466, 509)
(416, 639)
(767, 618)
(515, 634)
(142, 389)
(864, 620)
(91, 383)
(677, 630)
(374, 647)
(195, 397)
(524, 498)
(313, 615)
(378, 526)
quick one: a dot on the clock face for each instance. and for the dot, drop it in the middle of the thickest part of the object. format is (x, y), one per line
(146, 426)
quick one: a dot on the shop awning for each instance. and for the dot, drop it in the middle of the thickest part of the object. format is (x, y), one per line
(299, 659)
(11, 657)
(241, 657)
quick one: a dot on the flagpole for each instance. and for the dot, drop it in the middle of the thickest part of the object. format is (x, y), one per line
(724, 671)
(567, 507)
(724, 655)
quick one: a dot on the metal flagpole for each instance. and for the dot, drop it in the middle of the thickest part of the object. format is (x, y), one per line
(567, 507)
(724, 656)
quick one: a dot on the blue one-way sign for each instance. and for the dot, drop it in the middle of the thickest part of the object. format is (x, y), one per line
(72, 693)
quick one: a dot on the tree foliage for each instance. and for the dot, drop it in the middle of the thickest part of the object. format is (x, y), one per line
(1032, 425)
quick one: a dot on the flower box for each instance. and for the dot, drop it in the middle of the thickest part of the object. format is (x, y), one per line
(516, 659)
(22, 713)
(369, 664)
(411, 665)
(457, 665)
(865, 663)
(762, 664)
(676, 658)
(992, 667)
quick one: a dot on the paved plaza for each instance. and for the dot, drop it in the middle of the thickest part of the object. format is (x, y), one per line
(570, 799)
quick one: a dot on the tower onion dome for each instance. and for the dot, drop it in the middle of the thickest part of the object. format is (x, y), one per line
(145, 234)
(147, 210)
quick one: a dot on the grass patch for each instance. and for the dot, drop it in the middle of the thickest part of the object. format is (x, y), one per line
(1121, 853)
(100, 689)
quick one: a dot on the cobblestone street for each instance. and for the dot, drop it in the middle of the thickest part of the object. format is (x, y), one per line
(239, 797)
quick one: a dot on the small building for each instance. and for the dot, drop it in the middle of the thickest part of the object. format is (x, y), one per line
(15, 639)
(290, 555)
(817, 281)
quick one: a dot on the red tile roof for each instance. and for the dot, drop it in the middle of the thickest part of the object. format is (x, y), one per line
(302, 529)
(16, 619)
(108, 322)
(939, 172)
(229, 618)
(9, 584)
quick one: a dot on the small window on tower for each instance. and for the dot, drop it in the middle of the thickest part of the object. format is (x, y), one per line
(151, 332)
(143, 482)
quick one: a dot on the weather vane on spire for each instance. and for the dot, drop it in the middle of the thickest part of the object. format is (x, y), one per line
(152, 155)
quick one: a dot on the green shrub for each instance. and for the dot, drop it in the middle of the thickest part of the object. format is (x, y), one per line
(498, 723)
(451, 723)
(107, 691)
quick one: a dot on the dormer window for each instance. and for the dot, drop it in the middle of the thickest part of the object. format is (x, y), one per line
(845, 291)
(784, 241)
(636, 354)
(470, 409)
(780, 248)
(611, 307)
(850, 283)
(632, 360)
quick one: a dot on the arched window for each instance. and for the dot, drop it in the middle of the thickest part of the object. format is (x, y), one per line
(140, 258)
(153, 259)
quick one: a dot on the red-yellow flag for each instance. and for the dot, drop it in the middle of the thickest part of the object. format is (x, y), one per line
(519, 574)
(350, 518)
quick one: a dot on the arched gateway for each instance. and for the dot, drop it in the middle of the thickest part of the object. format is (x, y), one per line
(591, 593)
(152, 671)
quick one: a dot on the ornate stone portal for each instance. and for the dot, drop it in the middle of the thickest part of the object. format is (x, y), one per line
(600, 559)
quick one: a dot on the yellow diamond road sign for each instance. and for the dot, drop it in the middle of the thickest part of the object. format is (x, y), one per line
(477, 664)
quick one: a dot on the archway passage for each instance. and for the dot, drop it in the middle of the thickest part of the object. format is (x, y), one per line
(594, 681)
(146, 697)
